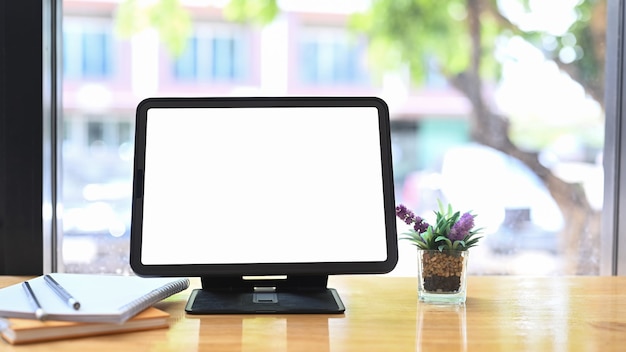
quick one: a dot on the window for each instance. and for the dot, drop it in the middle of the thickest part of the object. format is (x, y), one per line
(616, 16)
(214, 53)
(95, 133)
(330, 56)
(97, 172)
(125, 133)
(87, 48)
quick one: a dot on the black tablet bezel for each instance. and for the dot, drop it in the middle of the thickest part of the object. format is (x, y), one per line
(317, 268)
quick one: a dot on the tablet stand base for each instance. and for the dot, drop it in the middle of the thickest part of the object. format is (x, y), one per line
(293, 295)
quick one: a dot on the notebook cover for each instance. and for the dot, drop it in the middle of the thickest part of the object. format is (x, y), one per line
(22, 331)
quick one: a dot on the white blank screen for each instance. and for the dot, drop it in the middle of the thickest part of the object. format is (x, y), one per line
(263, 185)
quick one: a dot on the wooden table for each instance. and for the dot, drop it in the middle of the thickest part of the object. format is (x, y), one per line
(502, 313)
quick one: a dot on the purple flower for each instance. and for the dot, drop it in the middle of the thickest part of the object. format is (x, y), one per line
(410, 218)
(420, 225)
(462, 227)
(405, 214)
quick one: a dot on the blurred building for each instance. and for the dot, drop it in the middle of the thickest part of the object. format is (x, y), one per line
(307, 50)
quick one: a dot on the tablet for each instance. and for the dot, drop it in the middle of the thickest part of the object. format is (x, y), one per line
(228, 188)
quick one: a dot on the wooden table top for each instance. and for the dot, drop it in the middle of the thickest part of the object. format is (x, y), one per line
(503, 313)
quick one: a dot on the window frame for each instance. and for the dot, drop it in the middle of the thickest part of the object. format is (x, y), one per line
(29, 152)
(613, 240)
(29, 105)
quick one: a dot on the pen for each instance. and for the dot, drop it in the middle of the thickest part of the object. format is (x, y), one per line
(4, 324)
(61, 292)
(39, 312)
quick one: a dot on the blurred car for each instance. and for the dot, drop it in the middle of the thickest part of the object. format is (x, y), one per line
(511, 201)
(513, 205)
(103, 209)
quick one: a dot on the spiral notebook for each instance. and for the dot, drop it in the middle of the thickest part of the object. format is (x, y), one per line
(102, 298)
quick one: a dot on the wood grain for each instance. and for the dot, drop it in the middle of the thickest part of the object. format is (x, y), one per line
(503, 313)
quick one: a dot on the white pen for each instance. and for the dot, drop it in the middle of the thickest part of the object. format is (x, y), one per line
(4, 324)
(39, 312)
(61, 292)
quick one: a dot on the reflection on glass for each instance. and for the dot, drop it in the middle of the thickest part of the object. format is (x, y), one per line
(441, 324)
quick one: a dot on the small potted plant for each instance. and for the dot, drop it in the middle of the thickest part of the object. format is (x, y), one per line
(442, 251)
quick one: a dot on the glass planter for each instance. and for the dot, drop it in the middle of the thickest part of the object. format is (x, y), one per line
(441, 276)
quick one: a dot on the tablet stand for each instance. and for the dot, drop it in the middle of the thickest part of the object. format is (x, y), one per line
(237, 295)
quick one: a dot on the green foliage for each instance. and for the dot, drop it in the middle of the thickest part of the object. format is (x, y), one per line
(585, 37)
(130, 18)
(420, 32)
(417, 34)
(168, 17)
(257, 11)
(424, 240)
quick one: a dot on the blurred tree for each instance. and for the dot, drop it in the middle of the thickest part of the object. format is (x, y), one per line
(460, 37)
